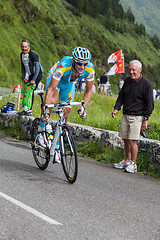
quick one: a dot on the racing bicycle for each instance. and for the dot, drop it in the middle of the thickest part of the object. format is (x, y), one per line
(68, 153)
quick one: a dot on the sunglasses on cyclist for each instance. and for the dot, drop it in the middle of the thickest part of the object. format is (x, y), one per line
(82, 64)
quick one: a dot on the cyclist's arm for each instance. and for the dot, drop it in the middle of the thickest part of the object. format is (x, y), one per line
(87, 95)
(51, 96)
(52, 92)
(88, 92)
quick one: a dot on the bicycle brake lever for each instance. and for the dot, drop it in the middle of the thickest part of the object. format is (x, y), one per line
(82, 104)
(45, 107)
(83, 108)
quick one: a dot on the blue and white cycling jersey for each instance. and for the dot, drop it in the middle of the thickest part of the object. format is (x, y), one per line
(62, 71)
(50, 75)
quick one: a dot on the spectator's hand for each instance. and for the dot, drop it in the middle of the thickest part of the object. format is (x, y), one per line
(144, 126)
(114, 113)
(32, 82)
(25, 80)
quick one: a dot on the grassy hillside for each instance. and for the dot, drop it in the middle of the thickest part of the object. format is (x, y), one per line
(146, 12)
(54, 31)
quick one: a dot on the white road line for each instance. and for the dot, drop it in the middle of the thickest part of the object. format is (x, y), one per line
(29, 209)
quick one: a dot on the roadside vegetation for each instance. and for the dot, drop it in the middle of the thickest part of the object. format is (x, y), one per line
(99, 112)
(54, 28)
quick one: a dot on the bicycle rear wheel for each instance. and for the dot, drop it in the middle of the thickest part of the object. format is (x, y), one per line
(69, 155)
(41, 155)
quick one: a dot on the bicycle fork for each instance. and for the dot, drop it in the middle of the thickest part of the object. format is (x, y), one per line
(68, 140)
(59, 132)
(53, 146)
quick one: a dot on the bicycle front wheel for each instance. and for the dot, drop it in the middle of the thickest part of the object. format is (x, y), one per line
(69, 155)
(41, 155)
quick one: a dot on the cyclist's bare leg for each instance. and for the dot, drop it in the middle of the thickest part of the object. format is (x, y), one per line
(52, 97)
(66, 113)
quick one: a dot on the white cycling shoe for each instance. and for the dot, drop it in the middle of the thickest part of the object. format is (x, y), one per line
(57, 156)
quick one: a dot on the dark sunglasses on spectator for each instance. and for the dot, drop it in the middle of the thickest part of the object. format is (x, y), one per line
(81, 64)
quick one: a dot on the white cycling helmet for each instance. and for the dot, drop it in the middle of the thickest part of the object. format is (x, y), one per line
(81, 54)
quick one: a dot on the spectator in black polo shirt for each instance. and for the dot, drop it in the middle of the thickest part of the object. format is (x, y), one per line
(103, 80)
(136, 96)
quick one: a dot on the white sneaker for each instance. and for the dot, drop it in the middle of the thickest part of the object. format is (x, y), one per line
(57, 156)
(121, 164)
(41, 140)
(28, 113)
(131, 168)
(25, 108)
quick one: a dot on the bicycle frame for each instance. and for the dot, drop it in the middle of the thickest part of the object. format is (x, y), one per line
(61, 121)
(58, 130)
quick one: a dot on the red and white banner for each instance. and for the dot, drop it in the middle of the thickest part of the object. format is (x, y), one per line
(117, 68)
(115, 57)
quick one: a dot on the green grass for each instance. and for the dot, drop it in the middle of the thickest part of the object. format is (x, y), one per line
(100, 153)
(99, 112)
(99, 115)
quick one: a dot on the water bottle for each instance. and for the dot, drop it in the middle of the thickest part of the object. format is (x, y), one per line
(49, 134)
(49, 130)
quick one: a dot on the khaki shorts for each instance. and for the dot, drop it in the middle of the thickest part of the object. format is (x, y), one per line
(103, 88)
(130, 127)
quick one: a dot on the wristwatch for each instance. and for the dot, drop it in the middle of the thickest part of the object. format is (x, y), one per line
(145, 118)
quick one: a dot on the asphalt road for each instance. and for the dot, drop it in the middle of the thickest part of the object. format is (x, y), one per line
(104, 203)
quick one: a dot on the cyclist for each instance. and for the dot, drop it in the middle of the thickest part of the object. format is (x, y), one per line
(61, 80)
